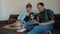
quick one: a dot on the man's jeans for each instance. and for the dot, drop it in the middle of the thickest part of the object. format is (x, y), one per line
(36, 29)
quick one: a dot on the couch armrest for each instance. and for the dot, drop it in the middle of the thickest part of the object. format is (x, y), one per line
(4, 22)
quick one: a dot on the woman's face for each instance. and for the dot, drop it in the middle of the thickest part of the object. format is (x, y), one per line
(29, 9)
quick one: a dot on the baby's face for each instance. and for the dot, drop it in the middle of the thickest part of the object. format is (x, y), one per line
(32, 17)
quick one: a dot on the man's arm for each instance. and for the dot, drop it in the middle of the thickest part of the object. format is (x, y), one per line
(47, 23)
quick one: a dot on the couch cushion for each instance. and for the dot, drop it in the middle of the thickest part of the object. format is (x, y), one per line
(57, 16)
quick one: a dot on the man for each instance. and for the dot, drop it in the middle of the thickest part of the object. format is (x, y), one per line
(46, 19)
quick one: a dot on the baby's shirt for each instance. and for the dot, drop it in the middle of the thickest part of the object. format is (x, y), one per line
(31, 21)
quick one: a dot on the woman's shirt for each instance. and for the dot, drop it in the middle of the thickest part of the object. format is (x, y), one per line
(22, 16)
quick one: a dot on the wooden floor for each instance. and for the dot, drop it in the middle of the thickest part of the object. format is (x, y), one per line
(8, 31)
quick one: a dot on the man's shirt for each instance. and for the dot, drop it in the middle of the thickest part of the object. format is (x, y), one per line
(46, 15)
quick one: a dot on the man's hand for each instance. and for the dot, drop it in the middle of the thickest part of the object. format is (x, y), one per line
(47, 23)
(36, 22)
(42, 24)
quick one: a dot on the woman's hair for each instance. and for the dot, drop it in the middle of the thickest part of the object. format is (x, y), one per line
(28, 5)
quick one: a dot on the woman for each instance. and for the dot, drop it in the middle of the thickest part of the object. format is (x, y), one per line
(21, 19)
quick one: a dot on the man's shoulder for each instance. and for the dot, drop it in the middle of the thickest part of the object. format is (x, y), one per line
(49, 11)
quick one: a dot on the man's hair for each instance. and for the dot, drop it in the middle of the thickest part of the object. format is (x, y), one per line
(28, 5)
(40, 3)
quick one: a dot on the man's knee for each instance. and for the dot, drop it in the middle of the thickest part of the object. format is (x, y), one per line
(37, 28)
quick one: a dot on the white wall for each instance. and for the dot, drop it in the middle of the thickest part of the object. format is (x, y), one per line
(16, 6)
(2, 10)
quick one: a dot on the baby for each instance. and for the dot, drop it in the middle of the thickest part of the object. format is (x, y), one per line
(32, 19)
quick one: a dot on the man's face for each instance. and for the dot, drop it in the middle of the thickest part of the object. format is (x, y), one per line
(40, 7)
(29, 9)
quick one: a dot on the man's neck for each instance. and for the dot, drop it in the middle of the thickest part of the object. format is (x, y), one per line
(42, 10)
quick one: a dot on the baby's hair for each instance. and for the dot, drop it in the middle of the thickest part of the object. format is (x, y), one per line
(31, 14)
(35, 16)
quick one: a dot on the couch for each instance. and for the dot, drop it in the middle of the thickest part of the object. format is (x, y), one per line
(13, 18)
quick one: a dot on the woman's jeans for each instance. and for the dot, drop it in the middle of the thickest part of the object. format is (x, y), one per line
(35, 29)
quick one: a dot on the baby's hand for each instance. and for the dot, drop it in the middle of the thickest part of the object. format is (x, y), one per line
(36, 22)
(24, 25)
(42, 24)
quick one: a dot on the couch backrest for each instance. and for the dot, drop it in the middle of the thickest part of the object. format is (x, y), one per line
(13, 18)
(57, 21)
(57, 16)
